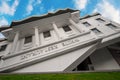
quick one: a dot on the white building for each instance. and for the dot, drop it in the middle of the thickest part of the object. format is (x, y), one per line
(60, 41)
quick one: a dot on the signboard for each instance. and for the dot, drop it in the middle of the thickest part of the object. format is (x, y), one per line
(48, 49)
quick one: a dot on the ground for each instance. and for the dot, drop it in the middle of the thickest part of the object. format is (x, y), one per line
(63, 76)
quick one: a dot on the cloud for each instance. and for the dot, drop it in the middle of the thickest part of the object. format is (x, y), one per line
(37, 2)
(3, 21)
(5, 8)
(31, 5)
(51, 10)
(80, 4)
(1, 36)
(108, 10)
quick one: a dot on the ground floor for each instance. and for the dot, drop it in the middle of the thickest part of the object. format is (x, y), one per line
(79, 58)
(107, 58)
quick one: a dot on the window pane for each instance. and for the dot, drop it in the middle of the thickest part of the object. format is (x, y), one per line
(66, 28)
(96, 31)
(46, 34)
(28, 39)
(3, 47)
(100, 20)
(86, 24)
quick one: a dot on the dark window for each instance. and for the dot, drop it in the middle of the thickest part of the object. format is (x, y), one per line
(96, 31)
(87, 24)
(28, 39)
(112, 26)
(3, 47)
(66, 28)
(46, 34)
(84, 66)
(100, 20)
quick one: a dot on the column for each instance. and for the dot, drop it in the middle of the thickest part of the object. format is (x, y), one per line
(37, 41)
(1, 61)
(74, 24)
(57, 30)
(14, 44)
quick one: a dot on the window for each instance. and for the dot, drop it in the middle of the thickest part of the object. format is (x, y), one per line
(85, 65)
(66, 28)
(28, 39)
(87, 24)
(3, 47)
(112, 26)
(46, 34)
(96, 31)
(100, 20)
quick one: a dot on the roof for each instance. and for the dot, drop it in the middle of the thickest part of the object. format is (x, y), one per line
(4, 28)
(88, 16)
(2, 39)
(34, 18)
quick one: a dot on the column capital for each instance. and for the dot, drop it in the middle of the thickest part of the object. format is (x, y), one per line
(36, 27)
(53, 23)
(17, 32)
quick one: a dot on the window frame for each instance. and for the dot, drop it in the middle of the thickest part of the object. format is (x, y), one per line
(47, 34)
(86, 24)
(98, 31)
(112, 26)
(3, 47)
(66, 28)
(27, 41)
(100, 20)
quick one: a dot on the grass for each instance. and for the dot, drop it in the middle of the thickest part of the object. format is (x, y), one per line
(63, 76)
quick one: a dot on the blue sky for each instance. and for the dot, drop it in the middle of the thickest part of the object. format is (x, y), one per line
(11, 10)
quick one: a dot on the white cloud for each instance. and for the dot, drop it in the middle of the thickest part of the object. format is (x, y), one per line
(5, 8)
(37, 2)
(3, 21)
(31, 5)
(80, 4)
(2, 36)
(51, 10)
(108, 10)
(13, 7)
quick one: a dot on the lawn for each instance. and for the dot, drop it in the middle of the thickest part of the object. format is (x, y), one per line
(63, 76)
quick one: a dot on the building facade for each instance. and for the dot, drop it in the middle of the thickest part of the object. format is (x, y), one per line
(60, 41)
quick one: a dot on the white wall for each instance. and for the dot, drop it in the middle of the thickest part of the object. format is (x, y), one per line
(103, 60)
(100, 26)
(59, 63)
(21, 46)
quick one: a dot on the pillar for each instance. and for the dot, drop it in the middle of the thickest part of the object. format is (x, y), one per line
(37, 41)
(74, 24)
(14, 44)
(57, 30)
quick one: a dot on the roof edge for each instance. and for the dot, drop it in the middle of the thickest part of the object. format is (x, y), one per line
(88, 16)
(36, 17)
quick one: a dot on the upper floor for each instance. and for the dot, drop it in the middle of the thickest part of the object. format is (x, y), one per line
(39, 31)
